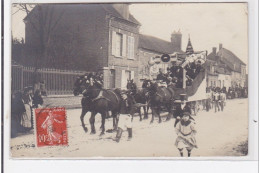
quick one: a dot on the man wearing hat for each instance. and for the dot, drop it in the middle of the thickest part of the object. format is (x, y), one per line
(127, 111)
(179, 76)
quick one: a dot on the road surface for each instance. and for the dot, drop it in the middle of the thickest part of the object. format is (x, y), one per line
(218, 135)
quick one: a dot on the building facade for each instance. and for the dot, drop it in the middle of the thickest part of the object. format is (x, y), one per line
(237, 67)
(96, 37)
(225, 69)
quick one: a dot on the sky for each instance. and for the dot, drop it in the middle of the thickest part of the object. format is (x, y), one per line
(208, 24)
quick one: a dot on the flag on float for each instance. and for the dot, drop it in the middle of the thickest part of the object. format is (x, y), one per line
(196, 57)
(189, 49)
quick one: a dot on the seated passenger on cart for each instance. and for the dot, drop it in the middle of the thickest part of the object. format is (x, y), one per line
(161, 78)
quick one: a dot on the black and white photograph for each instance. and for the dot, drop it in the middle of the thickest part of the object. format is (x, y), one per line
(129, 80)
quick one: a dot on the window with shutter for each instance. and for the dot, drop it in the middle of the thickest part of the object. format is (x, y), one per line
(131, 47)
(119, 44)
(124, 46)
(114, 43)
(132, 75)
(124, 79)
(128, 74)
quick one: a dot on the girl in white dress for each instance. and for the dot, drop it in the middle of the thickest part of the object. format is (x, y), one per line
(186, 132)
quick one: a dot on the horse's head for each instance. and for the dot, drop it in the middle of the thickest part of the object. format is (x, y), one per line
(131, 86)
(152, 87)
(146, 83)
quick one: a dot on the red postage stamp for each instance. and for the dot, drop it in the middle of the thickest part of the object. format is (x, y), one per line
(51, 127)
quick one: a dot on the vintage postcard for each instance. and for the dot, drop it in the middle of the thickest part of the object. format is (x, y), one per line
(129, 80)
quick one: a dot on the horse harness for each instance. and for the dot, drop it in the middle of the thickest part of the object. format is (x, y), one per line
(114, 95)
(100, 96)
(163, 90)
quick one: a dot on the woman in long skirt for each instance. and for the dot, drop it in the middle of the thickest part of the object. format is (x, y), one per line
(186, 131)
(26, 120)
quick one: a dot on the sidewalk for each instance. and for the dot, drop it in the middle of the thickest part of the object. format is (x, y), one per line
(67, 101)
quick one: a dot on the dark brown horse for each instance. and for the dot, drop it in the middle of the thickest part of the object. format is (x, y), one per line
(97, 100)
(140, 96)
(160, 97)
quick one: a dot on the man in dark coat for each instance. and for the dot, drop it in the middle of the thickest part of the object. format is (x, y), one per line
(161, 76)
(179, 76)
(99, 79)
(37, 99)
(173, 69)
(181, 107)
(17, 109)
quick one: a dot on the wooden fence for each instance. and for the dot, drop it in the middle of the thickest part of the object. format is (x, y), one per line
(57, 82)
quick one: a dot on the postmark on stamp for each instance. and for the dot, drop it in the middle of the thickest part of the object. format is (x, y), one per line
(51, 129)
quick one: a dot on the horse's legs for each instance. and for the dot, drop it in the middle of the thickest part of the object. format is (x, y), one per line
(83, 113)
(101, 126)
(140, 115)
(114, 121)
(114, 114)
(153, 113)
(170, 114)
(145, 112)
(159, 115)
(92, 122)
(104, 115)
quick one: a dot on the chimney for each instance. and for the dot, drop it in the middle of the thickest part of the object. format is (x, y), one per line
(176, 39)
(214, 50)
(122, 9)
(220, 46)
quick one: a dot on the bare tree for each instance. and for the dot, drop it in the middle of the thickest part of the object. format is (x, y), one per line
(42, 19)
(23, 7)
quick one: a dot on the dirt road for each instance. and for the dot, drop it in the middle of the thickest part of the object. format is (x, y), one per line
(218, 135)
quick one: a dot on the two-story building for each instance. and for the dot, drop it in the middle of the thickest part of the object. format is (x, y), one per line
(88, 37)
(225, 69)
(238, 67)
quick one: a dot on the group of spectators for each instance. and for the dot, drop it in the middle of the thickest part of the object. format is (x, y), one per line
(174, 75)
(22, 104)
(237, 92)
(216, 96)
(97, 77)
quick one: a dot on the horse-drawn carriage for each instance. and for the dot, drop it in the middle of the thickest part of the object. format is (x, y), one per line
(98, 100)
(168, 98)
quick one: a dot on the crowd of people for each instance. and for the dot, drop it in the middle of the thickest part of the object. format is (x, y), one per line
(22, 105)
(216, 96)
(237, 92)
(174, 74)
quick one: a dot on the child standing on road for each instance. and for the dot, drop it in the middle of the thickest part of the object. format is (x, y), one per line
(127, 110)
(186, 132)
